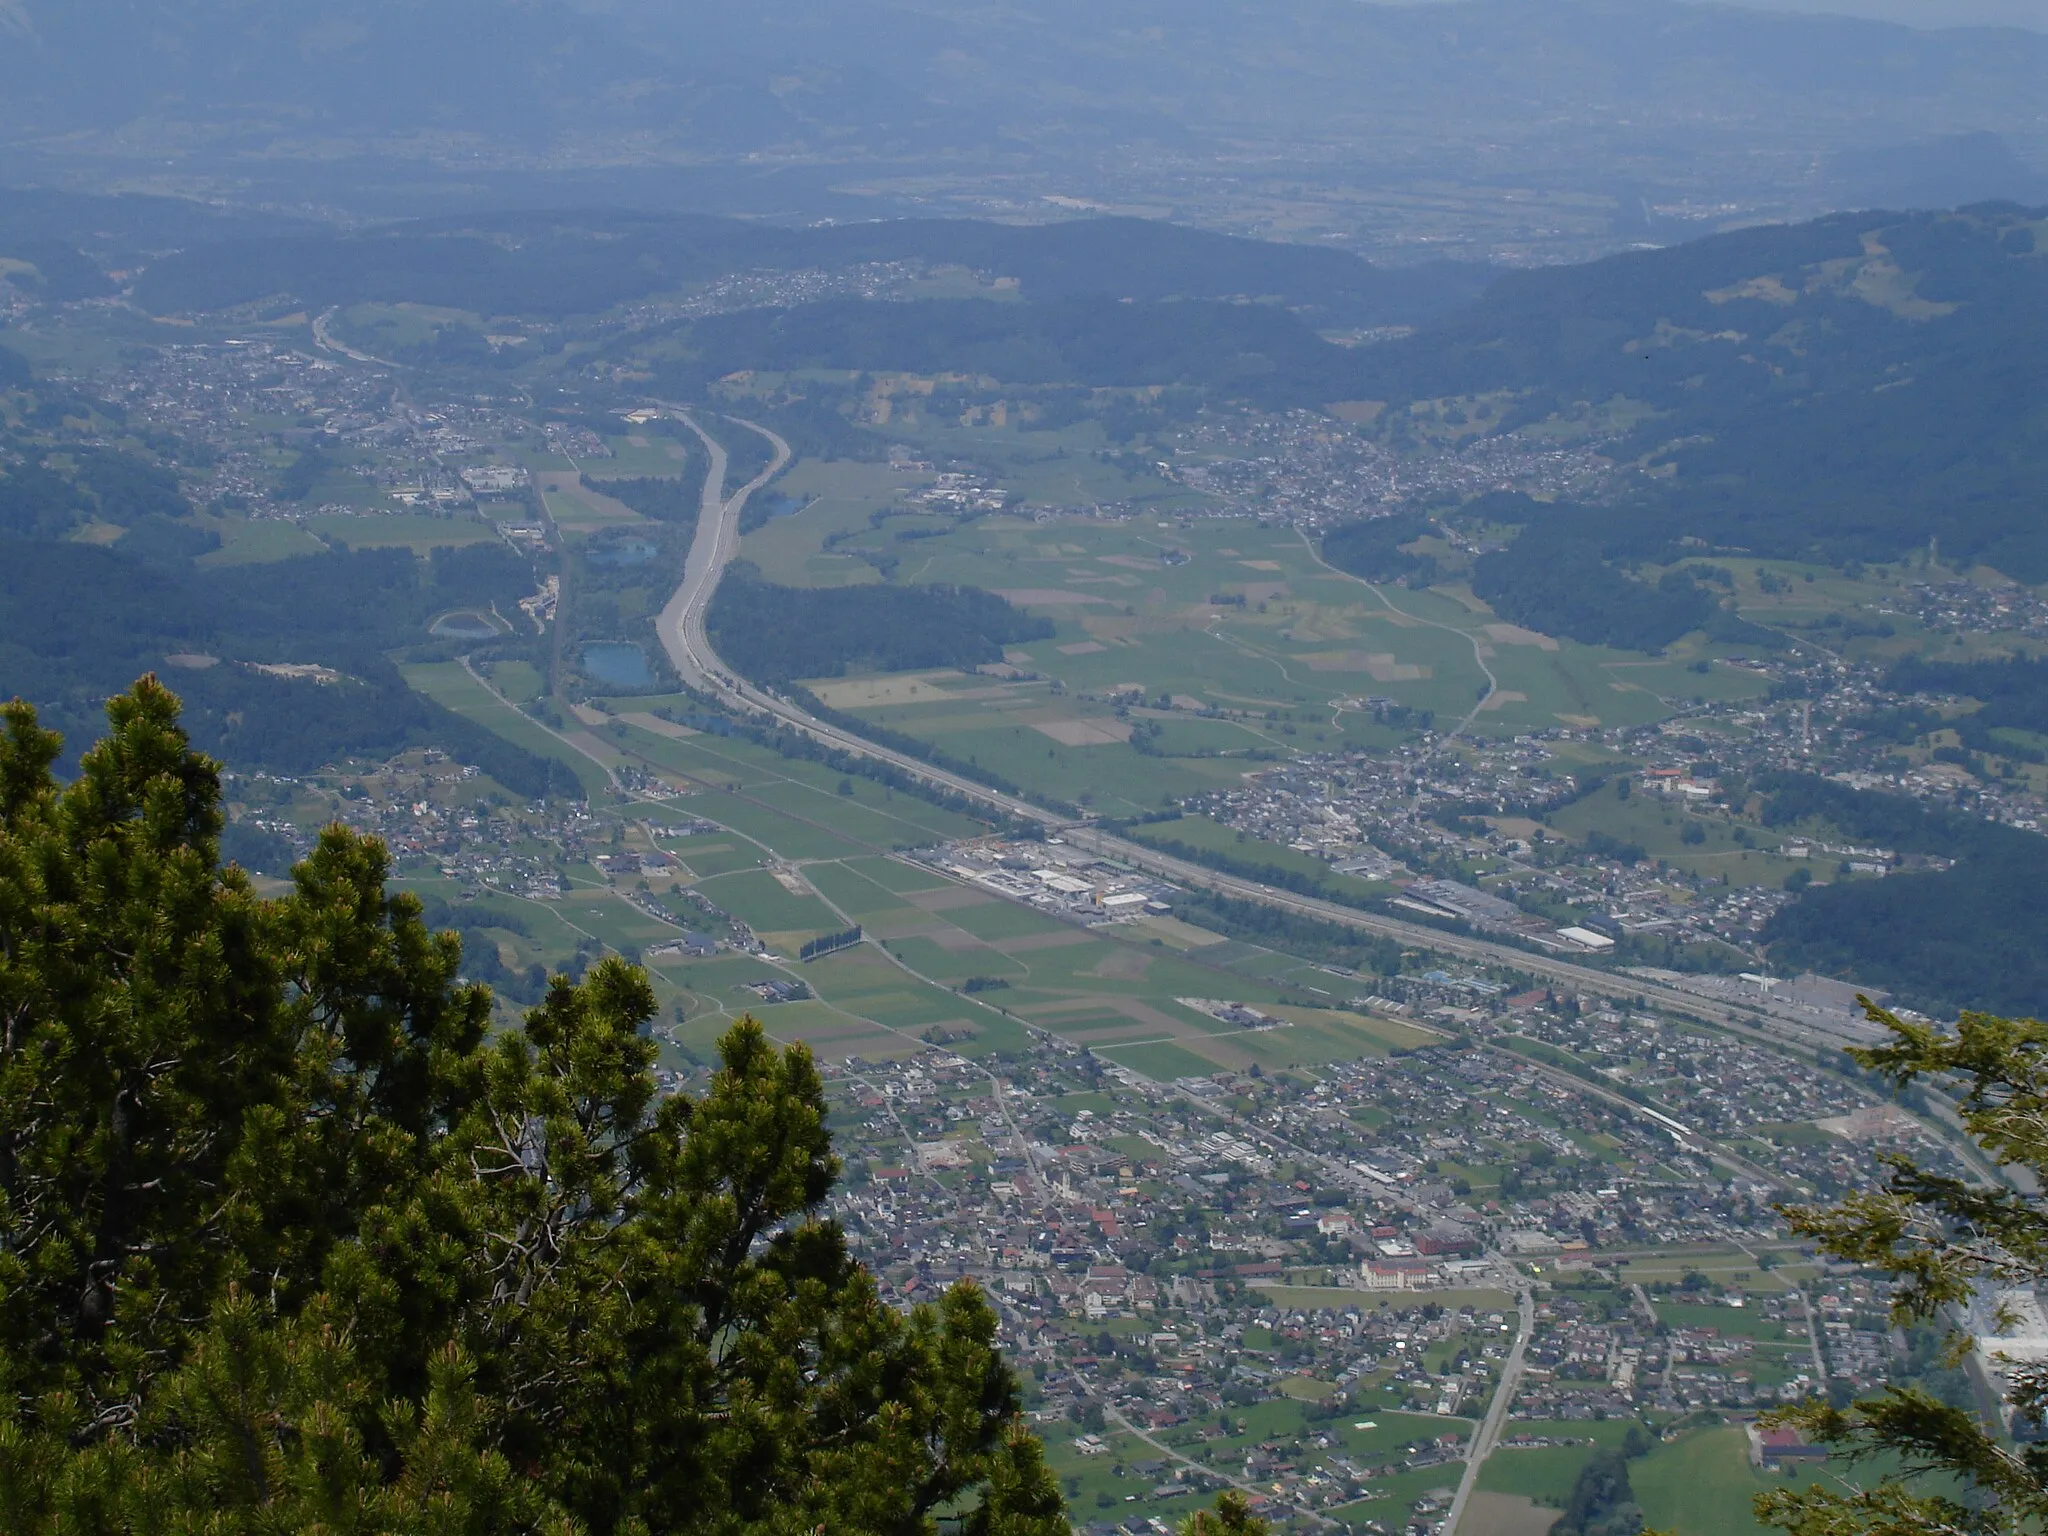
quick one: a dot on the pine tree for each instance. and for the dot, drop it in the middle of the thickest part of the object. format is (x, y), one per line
(291, 1240)
(1943, 1240)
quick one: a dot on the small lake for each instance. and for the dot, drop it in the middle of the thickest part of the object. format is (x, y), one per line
(623, 552)
(617, 663)
(464, 626)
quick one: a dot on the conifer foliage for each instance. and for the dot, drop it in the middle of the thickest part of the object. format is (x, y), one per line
(291, 1240)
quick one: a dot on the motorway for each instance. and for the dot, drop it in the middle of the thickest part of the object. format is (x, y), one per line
(681, 624)
(681, 628)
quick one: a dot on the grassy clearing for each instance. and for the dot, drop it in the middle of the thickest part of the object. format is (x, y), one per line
(449, 685)
(418, 533)
(258, 541)
(1701, 1485)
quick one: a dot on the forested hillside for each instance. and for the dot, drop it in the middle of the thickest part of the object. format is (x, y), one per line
(1971, 936)
(1233, 351)
(78, 623)
(1850, 388)
(579, 263)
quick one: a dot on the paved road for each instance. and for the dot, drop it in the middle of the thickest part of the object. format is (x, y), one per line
(681, 625)
(681, 628)
(324, 338)
(1487, 1435)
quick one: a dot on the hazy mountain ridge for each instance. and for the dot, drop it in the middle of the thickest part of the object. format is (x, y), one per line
(1516, 87)
(581, 262)
(1848, 388)
(1219, 60)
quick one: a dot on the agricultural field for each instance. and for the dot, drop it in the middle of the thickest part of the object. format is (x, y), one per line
(800, 851)
(417, 532)
(578, 507)
(1186, 652)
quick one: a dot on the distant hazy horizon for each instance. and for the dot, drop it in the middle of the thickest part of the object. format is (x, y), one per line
(2031, 14)
(1923, 13)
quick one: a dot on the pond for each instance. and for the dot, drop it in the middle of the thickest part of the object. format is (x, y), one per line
(623, 552)
(783, 505)
(617, 663)
(464, 626)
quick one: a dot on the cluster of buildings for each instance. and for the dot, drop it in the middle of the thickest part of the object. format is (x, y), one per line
(1052, 876)
(1303, 468)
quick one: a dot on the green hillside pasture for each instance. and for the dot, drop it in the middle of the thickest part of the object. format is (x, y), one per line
(789, 837)
(1674, 683)
(519, 681)
(1186, 736)
(1387, 1034)
(950, 962)
(1110, 776)
(606, 915)
(880, 817)
(714, 994)
(653, 457)
(1701, 1484)
(447, 684)
(997, 921)
(1657, 825)
(1393, 1432)
(868, 887)
(576, 507)
(1305, 640)
(895, 875)
(1096, 1490)
(1735, 1322)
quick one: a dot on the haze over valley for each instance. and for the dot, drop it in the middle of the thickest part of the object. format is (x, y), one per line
(1184, 769)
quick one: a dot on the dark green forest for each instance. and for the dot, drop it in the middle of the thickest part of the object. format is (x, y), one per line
(1553, 580)
(280, 1275)
(775, 634)
(2013, 692)
(79, 623)
(1971, 936)
(1371, 548)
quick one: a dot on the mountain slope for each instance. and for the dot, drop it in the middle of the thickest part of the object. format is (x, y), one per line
(1847, 388)
(584, 261)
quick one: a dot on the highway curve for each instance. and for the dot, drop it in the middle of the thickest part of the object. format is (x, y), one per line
(681, 628)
